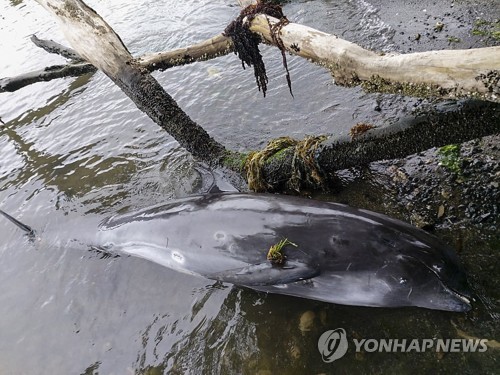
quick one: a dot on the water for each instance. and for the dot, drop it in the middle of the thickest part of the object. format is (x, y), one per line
(76, 150)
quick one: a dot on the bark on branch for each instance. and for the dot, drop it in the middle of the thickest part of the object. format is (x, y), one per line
(46, 74)
(211, 48)
(53, 47)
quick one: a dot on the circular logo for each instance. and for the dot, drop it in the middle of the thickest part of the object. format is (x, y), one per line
(332, 345)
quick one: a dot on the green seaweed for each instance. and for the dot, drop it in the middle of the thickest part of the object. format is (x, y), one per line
(235, 160)
(489, 29)
(453, 39)
(450, 158)
(275, 254)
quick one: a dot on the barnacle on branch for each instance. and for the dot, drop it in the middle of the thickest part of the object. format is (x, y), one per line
(246, 43)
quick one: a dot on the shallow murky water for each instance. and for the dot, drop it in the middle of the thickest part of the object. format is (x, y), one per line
(76, 150)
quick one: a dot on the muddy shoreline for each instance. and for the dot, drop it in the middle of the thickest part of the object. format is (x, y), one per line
(459, 203)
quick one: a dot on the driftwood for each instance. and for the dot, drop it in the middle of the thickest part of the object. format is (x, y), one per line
(53, 47)
(95, 41)
(211, 48)
(46, 74)
(445, 74)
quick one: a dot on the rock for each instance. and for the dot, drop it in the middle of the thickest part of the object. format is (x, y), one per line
(295, 352)
(306, 321)
(440, 211)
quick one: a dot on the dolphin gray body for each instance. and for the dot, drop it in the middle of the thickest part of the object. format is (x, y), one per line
(343, 255)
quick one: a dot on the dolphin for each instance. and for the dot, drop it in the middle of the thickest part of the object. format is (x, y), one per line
(330, 252)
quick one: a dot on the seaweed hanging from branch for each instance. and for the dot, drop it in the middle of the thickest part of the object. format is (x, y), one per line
(275, 33)
(246, 43)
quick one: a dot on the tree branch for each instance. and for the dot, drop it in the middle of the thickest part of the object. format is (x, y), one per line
(448, 74)
(96, 41)
(444, 125)
(46, 74)
(211, 48)
(53, 47)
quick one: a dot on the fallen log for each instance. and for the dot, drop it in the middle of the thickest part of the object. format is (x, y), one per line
(447, 124)
(44, 75)
(447, 74)
(288, 167)
(205, 50)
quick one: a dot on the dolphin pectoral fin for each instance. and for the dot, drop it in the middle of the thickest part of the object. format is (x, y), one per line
(266, 274)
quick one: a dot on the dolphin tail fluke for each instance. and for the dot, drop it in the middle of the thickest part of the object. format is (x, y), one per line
(29, 231)
(263, 274)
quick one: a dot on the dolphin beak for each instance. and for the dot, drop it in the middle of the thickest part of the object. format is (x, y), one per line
(455, 301)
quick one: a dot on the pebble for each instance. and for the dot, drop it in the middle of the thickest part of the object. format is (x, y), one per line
(440, 211)
(295, 352)
(306, 321)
